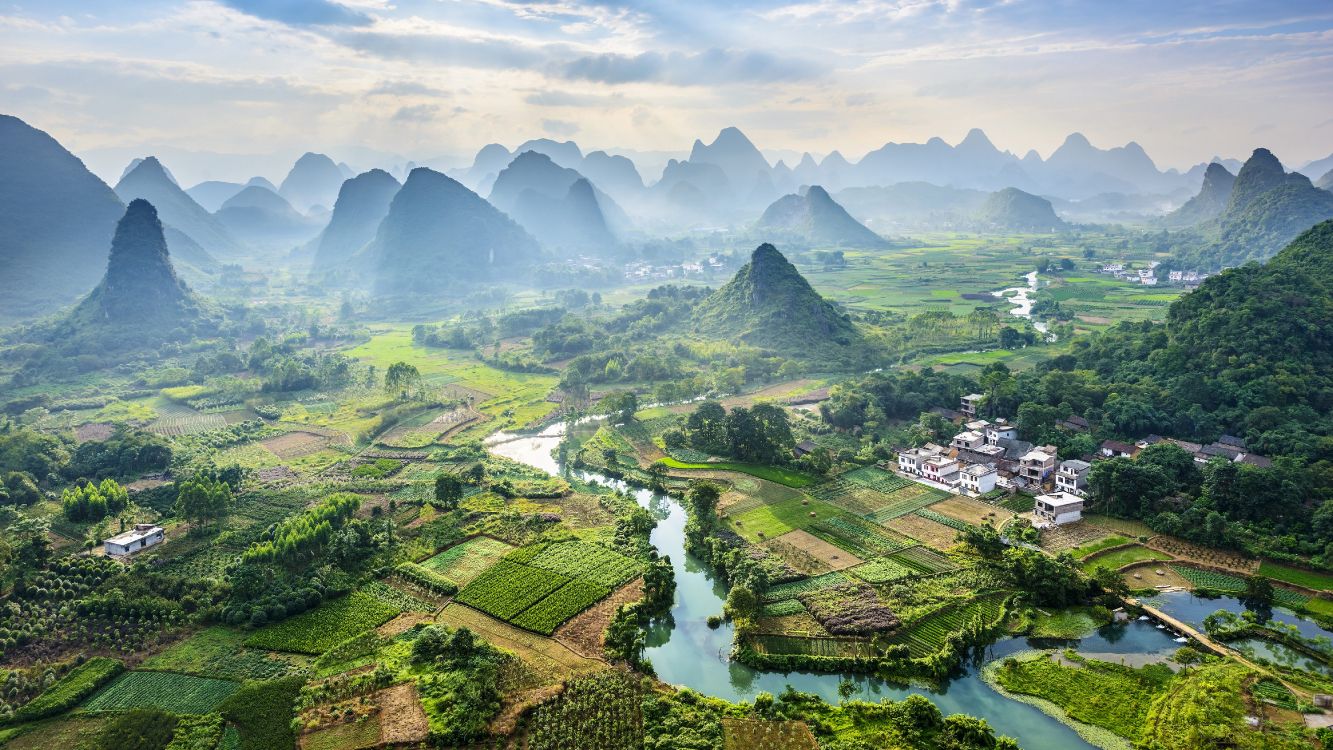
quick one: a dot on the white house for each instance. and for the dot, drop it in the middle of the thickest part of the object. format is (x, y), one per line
(968, 440)
(910, 461)
(1072, 477)
(978, 479)
(940, 469)
(1037, 464)
(1000, 431)
(970, 404)
(143, 536)
(1058, 508)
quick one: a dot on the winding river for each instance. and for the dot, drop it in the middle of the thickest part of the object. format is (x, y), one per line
(688, 653)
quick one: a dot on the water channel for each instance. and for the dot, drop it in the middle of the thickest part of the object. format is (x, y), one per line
(1022, 298)
(690, 654)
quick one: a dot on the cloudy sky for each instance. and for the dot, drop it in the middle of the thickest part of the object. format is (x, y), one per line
(425, 78)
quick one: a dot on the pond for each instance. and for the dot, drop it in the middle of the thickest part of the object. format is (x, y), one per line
(1191, 609)
(686, 652)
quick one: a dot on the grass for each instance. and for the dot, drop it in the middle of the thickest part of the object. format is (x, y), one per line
(1306, 578)
(166, 691)
(221, 652)
(776, 519)
(789, 477)
(1097, 546)
(1067, 624)
(262, 714)
(326, 626)
(1119, 558)
(463, 562)
(81, 682)
(364, 733)
(1110, 696)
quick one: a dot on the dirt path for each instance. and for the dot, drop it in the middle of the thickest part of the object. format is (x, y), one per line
(402, 719)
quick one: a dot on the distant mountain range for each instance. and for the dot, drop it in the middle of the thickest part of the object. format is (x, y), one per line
(438, 234)
(558, 205)
(56, 222)
(313, 181)
(177, 210)
(1013, 210)
(362, 204)
(1209, 203)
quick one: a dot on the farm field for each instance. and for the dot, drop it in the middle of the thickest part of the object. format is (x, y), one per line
(927, 635)
(788, 477)
(754, 734)
(326, 626)
(971, 511)
(776, 519)
(931, 533)
(1209, 579)
(167, 691)
(828, 556)
(1306, 578)
(551, 659)
(906, 499)
(1069, 536)
(1119, 558)
(463, 562)
(221, 652)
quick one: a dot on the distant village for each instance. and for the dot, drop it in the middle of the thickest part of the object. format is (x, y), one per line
(1149, 277)
(988, 457)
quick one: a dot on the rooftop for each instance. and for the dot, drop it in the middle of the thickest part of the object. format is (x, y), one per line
(1058, 500)
(135, 534)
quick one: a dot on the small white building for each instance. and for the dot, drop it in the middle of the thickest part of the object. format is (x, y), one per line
(940, 468)
(1037, 464)
(970, 403)
(1058, 508)
(968, 440)
(143, 536)
(1000, 430)
(1072, 477)
(978, 479)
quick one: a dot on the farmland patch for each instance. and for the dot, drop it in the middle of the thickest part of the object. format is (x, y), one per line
(167, 691)
(828, 555)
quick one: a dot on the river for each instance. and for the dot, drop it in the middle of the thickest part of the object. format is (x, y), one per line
(688, 653)
(1021, 297)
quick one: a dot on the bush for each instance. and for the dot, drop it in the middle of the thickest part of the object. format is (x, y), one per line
(81, 682)
(262, 713)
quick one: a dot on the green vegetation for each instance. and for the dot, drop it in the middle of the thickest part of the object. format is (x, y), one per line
(262, 713)
(1119, 558)
(1306, 578)
(165, 691)
(320, 629)
(508, 588)
(464, 562)
(789, 477)
(81, 682)
(221, 652)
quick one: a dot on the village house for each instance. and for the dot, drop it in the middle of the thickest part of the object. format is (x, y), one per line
(1037, 464)
(1117, 449)
(970, 403)
(978, 479)
(1057, 508)
(969, 440)
(1074, 423)
(940, 468)
(999, 432)
(804, 447)
(910, 461)
(142, 536)
(1072, 477)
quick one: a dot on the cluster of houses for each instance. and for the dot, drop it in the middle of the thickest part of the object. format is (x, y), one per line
(648, 272)
(987, 455)
(1148, 276)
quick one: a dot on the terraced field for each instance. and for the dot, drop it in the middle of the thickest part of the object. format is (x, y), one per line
(924, 560)
(927, 635)
(1209, 579)
(463, 562)
(816, 646)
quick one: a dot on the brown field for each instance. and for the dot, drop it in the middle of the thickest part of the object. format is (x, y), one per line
(798, 560)
(94, 432)
(583, 634)
(775, 392)
(924, 530)
(800, 624)
(294, 444)
(1071, 535)
(755, 734)
(403, 623)
(551, 660)
(401, 716)
(1207, 556)
(972, 511)
(1148, 578)
(585, 512)
(833, 557)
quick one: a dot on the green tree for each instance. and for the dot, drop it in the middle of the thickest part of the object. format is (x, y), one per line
(401, 380)
(202, 499)
(448, 491)
(621, 405)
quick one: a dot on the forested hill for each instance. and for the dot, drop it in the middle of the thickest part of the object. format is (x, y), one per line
(1248, 352)
(770, 305)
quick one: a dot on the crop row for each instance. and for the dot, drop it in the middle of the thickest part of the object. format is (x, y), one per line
(906, 499)
(166, 691)
(464, 562)
(589, 562)
(425, 578)
(883, 570)
(508, 588)
(857, 536)
(949, 521)
(398, 598)
(816, 646)
(927, 635)
(924, 559)
(791, 590)
(784, 608)
(876, 479)
(326, 626)
(80, 683)
(552, 612)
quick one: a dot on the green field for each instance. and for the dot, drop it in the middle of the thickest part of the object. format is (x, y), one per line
(167, 691)
(221, 652)
(464, 562)
(781, 475)
(1306, 578)
(776, 519)
(1119, 558)
(324, 627)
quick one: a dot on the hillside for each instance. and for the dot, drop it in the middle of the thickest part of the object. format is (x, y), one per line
(56, 220)
(150, 181)
(1013, 210)
(816, 218)
(263, 219)
(1325, 182)
(769, 304)
(1256, 329)
(438, 232)
(1268, 208)
(1211, 201)
(557, 205)
(313, 181)
(363, 202)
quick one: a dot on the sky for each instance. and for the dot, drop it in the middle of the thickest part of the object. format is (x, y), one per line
(422, 79)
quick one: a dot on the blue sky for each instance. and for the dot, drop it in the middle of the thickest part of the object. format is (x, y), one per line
(421, 78)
